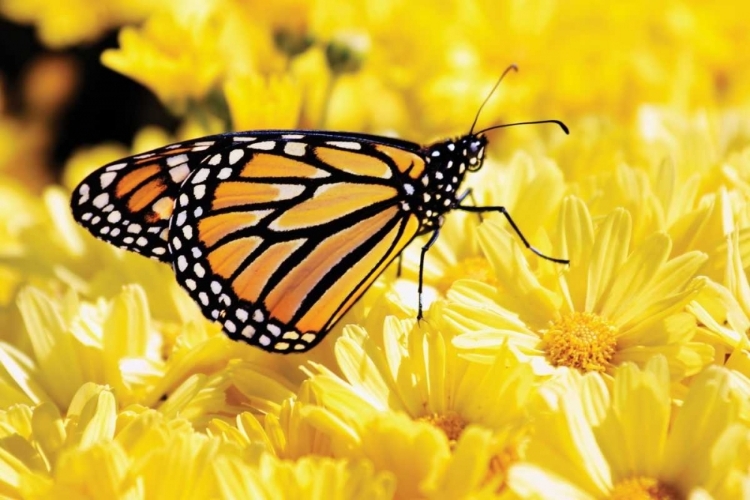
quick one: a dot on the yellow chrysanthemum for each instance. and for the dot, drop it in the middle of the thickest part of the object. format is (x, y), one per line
(633, 443)
(313, 478)
(257, 103)
(97, 450)
(175, 54)
(723, 313)
(613, 305)
(418, 373)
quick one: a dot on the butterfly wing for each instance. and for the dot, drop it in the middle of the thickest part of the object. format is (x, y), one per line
(277, 238)
(128, 202)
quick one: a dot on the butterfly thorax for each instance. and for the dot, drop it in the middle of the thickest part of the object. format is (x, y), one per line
(438, 190)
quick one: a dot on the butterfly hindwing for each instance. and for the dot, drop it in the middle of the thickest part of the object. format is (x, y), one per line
(128, 202)
(277, 238)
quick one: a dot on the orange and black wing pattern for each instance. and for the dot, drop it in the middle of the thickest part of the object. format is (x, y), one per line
(129, 202)
(277, 235)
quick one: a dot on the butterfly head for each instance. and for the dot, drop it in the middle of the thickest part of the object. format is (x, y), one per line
(448, 161)
(475, 145)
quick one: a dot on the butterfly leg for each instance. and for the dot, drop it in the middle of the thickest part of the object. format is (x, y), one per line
(505, 213)
(469, 193)
(426, 247)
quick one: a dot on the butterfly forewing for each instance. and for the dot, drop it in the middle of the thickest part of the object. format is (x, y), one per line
(277, 238)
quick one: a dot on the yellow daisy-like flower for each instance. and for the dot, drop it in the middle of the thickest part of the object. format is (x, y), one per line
(258, 103)
(723, 312)
(96, 450)
(175, 54)
(633, 442)
(417, 373)
(72, 343)
(613, 304)
(311, 478)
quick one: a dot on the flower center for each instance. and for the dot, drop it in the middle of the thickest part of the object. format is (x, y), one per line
(474, 268)
(450, 423)
(643, 488)
(585, 341)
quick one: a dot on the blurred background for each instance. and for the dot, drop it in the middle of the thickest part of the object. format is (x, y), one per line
(402, 68)
(63, 98)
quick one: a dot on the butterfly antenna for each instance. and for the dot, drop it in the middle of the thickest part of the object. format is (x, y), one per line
(507, 70)
(556, 122)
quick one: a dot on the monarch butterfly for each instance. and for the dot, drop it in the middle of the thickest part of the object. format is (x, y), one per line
(276, 233)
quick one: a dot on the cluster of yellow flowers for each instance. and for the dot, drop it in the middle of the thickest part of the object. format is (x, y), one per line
(623, 375)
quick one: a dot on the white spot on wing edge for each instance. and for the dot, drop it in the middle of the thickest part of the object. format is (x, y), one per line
(179, 173)
(101, 200)
(273, 330)
(106, 178)
(265, 145)
(295, 148)
(199, 270)
(173, 161)
(200, 176)
(117, 166)
(345, 145)
(84, 190)
(248, 332)
(235, 155)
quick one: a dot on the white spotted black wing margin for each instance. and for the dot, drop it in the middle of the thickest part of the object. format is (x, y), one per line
(128, 202)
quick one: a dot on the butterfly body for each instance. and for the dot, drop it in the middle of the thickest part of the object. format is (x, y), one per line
(276, 234)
